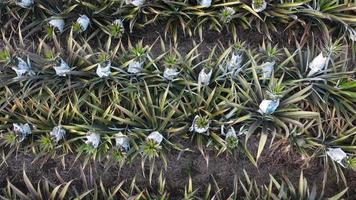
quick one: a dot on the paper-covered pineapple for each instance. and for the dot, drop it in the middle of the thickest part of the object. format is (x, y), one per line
(268, 106)
(200, 125)
(227, 14)
(170, 73)
(25, 3)
(259, 5)
(317, 64)
(137, 3)
(156, 137)
(62, 69)
(204, 76)
(92, 139)
(205, 3)
(135, 67)
(23, 68)
(122, 142)
(337, 155)
(104, 69)
(22, 130)
(267, 69)
(57, 23)
(58, 133)
(82, 23)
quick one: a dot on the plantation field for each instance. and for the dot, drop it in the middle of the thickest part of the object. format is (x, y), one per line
(186, 99)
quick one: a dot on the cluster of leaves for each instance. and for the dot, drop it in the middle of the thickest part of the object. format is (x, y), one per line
(91, 187)
(182, 16)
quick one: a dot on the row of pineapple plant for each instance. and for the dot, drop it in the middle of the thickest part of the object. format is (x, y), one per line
(111, 17)
(125, 102)
(87, 186)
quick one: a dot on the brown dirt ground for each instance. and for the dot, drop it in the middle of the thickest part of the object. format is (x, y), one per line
(223, 168)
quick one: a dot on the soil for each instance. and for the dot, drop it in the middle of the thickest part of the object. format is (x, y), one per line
(223, 168)
(150, 34)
